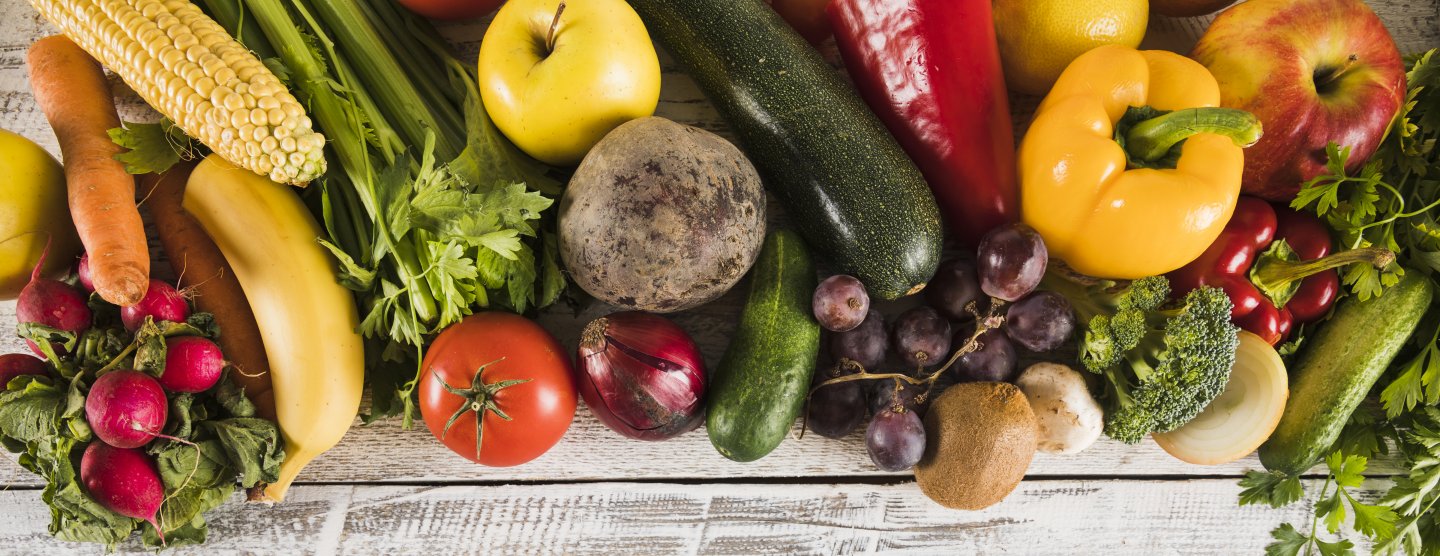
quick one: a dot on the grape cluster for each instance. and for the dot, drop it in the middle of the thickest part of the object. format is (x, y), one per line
(977, 315)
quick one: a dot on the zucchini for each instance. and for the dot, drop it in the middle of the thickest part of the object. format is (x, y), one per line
(1337, 369)
(759, 388)
(848, 187)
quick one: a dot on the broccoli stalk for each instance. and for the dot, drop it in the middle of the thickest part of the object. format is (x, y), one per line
(1162, 362)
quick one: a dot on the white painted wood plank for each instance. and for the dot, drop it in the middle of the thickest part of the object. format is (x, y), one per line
(1048, 517)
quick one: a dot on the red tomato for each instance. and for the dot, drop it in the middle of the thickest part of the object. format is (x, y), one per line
(510, 349)
(450, 10)
(807, 17)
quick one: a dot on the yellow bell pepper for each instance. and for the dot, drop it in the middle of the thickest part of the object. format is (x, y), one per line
(1157, 201)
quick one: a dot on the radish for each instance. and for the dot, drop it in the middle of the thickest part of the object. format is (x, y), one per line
(83, 272)
(162, 302)
(17, 364)
(125, 481)
(126, 408)
(192, 364)
(51, 303)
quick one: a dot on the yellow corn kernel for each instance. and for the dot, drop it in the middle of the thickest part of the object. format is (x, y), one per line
(187, 67)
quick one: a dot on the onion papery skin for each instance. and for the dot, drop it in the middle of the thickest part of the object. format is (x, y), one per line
(641, 375)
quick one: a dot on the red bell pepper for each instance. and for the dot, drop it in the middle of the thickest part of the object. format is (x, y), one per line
(931, 70)
(1276, 266)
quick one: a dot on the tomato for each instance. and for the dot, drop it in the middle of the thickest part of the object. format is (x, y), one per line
(807, 17)
(450, 10)
(525, 389)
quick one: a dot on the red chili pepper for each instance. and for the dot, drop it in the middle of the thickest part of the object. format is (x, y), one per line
(931, 70)
(1276, 266)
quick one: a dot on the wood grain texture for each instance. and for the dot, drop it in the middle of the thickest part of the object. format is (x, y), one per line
(1080, 517)
(565, 501)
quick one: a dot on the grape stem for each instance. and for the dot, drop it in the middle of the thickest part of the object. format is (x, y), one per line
(993, 319)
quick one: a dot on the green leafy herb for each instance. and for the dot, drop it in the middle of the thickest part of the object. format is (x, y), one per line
(431, 212)
(154, 148)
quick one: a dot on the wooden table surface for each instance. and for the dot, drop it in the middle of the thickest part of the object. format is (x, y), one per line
(384, 490)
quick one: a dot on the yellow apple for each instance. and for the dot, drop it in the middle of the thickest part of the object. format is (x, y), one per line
(33, 210)
(555, 80)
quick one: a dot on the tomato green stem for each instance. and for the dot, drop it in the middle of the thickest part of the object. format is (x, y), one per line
(480, 399)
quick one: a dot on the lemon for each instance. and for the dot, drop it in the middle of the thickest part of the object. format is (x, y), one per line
(1038, 38)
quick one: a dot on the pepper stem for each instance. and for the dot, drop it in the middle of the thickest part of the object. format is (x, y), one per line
(1151, 139)
(1277, 274)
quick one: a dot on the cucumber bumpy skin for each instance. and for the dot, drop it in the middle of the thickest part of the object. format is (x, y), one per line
(760, 386)
(1337, 369)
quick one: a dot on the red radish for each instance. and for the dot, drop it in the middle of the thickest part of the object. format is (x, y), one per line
(83, 271)
(162, 301)
(192, 364)
(17, 364)
(126, 408)
(124, 480)
(51, 303)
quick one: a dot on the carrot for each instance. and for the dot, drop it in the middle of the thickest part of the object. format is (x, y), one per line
(70, 88)
(202, 271)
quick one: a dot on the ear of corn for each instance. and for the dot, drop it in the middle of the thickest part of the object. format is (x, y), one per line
(189, 68)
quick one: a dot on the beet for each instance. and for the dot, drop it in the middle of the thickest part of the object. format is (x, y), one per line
(162, 302)
(17, 364)
(192, 364)
(124, 480)
(126, 408)
(51, 303)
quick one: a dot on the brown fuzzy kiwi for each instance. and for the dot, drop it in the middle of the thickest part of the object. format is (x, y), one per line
(980, 437)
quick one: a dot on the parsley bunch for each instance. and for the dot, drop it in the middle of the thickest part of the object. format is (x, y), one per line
(1393, 201)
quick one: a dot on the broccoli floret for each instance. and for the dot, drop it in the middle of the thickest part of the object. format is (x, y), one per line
(1162, 363)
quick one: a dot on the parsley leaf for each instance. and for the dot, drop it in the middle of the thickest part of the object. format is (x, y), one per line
(1273, 488)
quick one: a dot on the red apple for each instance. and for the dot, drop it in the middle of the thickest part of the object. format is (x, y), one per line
(1314, 72)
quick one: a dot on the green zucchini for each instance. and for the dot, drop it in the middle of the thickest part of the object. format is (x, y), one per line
(759, 388)
(848, 187)
(1339, 365)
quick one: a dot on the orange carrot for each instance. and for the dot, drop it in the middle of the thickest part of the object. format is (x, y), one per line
(202, 270)
(70, 88)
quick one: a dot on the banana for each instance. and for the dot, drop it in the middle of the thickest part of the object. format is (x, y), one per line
(307, 321)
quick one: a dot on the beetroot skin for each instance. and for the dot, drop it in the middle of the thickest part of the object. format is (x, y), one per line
(17, 364)
(192, 364)
(126, 408)
(162, 302)
(124, 480)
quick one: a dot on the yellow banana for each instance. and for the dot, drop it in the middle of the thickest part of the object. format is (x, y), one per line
(307, 321)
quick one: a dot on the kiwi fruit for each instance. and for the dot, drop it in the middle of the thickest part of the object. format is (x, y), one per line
(980, 438)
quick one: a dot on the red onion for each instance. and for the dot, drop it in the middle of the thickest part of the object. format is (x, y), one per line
(642, 375)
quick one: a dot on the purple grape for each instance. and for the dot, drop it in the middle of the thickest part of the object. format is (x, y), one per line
(836, 410)
(995, 361)
(864, 344)
(840, 303)
(954, 287)
(884, 394)
(896, 441)
(922, 337)
(1012, 260)
(1041, 322)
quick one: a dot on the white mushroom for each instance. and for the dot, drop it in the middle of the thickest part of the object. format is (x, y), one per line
(1067, 417)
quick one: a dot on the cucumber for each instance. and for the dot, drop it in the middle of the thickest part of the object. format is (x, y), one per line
(848, 187)
(1337, 368)
(759, 388)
